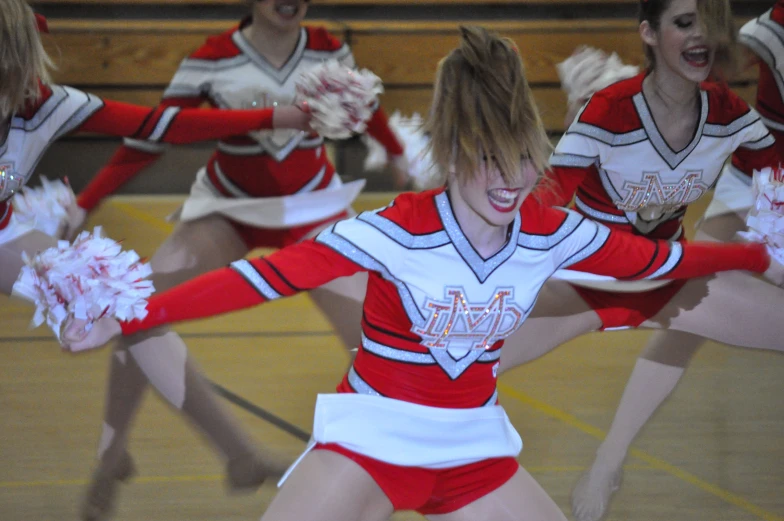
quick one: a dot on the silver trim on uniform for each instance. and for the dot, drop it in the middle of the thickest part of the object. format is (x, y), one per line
(676, 254)
(672, 158)
(314, 182)
(596, 214)
(596, 243)
(775, 125)
(227, 183)
(482, 268)
(739, 124)
(169, 113)
(144, 146)
(393, 353)
(403, 237)
(605, 136)
(572, 160)
(359, 384)
(494, 398)
(247, 270)
(279, 74)
(546, 242)
(765, 142)
(343, 246)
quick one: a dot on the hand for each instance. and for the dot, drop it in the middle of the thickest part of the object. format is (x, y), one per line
(775, 273)
(398, 165)
(81, 335)
(293, 116)
(74, 221)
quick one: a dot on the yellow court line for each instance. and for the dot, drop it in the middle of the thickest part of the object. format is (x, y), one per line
(654, 462)
(143, 216)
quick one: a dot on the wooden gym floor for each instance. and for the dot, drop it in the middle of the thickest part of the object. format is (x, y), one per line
(714, 452)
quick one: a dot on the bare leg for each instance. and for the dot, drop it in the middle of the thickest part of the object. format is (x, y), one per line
(11, 256)
(327, 486)
(654, 377)
(558, 316)
(160, 357)
(519, 499)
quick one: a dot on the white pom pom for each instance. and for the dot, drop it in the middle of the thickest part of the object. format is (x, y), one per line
(424, 173)
(341, 99)
(46, 205)
(88, 279)
(589, 70)
(766, 218)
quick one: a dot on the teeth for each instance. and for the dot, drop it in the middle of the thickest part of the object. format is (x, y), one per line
(287, 10)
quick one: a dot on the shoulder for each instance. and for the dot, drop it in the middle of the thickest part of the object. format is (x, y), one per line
(218, 47)
(319, 39)
(612, 109)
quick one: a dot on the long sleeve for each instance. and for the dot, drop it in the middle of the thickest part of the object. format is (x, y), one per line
(592, 247)
(378, 128)
(130, 159)
(247, 283)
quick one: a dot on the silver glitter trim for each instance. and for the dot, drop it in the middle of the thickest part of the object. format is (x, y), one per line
(144, 146)
(253, 277)
(314, 182)
(765, 21)
(258, 149)
(454, 368)
(604, 177)
(490, 356)
(233, 189)
(282, 74)
(546, 242)
(596, 243)
(572, 160)
(360, 385)
(481, 268)
(182, 90)
(596, 214)
(760, 144)
(775, 125)
(676, 253)
(362, 258)
(403, 237)
(213, 65)
(605, 136)
(736, 126)
(656, 139)
(399, 355)
(90, 106)
(59, 94)
(169, 113)
(492, 400)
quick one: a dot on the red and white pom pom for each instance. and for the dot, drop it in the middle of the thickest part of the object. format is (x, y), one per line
(424, 174)
(88, 279)
(589, 70)
(341, 99)
(46, 205)
(766, 218)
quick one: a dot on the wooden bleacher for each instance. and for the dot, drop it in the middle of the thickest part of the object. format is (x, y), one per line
(133, 60)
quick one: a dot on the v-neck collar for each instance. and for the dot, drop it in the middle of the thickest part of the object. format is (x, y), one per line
(672, 158)
(279, 74)
(481, 267)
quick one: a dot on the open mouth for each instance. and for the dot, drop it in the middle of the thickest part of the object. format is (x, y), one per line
(698, 57)
(287, 10)
(504, 200)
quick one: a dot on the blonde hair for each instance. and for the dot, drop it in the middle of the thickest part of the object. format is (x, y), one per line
(23, 60)
(483, 104)
(715, 16)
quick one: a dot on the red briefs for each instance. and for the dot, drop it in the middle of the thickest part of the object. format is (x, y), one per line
(433, 491)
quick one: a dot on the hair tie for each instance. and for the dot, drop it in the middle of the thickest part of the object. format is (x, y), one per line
(43, 25)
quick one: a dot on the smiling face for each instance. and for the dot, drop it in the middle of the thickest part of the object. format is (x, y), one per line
(490, 197)
(679, 43)
(283, 15)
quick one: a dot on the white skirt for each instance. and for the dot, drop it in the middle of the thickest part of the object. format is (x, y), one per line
(269, 212)
(411, 435)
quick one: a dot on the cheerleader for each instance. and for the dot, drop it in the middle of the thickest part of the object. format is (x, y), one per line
(259, 189)
(682, 130)
(415, 424)
(34, 113)
(668, 353)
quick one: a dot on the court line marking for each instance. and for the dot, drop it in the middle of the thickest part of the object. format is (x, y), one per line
(654, 462)
(572, 421)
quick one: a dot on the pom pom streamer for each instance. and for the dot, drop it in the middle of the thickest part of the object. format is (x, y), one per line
(589, 70)
(766, 218)
(47, 205)
(341, 99)
(424, 174)
(88, 279)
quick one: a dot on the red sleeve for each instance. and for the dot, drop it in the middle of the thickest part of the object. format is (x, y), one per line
(632, 257)
(126, 163)
(747, 160)
(174, 124)
(560, 184)
(378, 128)
(299, 267)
